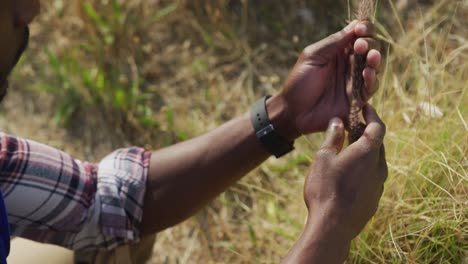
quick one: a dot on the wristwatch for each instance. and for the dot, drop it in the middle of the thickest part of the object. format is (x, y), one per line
(265, 131)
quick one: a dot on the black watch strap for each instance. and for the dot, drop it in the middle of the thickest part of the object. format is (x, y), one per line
(265, 131)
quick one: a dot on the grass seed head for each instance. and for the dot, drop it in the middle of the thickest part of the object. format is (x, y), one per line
(366, 8)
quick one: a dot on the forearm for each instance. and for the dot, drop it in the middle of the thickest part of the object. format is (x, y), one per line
(186, 176)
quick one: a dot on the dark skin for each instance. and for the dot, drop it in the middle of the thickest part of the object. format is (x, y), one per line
(342, 192)
(314, 93)
(14, 19)
(319, 85)
(184, 177)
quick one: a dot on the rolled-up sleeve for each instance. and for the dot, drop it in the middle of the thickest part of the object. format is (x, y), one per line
(53, 198)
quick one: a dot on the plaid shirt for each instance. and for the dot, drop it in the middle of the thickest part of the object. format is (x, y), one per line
(52, 198)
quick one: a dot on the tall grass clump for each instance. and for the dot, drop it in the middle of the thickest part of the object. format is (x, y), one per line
(158, 72)
(126, 62)
(423, 214)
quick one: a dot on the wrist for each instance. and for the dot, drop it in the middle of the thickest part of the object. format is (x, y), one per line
(326, 228)
(281, 118)
(326, 238)
(318, 244)
(323, 243)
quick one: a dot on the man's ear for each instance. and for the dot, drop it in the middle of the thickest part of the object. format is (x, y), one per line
(25, 11)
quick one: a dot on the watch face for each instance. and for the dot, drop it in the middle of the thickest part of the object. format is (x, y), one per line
(273, 142)
(265, 131)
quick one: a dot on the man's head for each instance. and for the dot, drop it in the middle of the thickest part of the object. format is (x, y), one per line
(15, 15)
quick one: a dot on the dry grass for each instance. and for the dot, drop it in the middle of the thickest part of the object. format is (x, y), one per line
(157, 72)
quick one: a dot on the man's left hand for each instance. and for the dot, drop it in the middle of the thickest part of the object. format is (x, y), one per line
(318, 87)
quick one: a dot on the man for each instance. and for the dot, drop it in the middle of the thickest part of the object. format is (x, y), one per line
(52, 198)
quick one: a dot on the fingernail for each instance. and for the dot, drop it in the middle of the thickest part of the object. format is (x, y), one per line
(335, 123)
(361, 27)
(351, 25)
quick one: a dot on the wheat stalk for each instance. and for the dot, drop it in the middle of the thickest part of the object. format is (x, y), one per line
(365, 10)
(356, 127)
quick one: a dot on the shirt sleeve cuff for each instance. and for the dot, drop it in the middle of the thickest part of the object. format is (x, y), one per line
(121, 186)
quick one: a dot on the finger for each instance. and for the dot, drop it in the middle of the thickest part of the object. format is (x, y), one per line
(375, 130)
(374, 59)
(334, 137)
(335, 41)
(363, 45)
(371, 83)
(365, 29)
(383, 164)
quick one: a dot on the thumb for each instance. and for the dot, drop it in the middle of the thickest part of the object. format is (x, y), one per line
(334, 137)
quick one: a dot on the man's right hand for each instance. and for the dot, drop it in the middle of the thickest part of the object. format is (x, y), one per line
(341, 192)
(348, 184)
